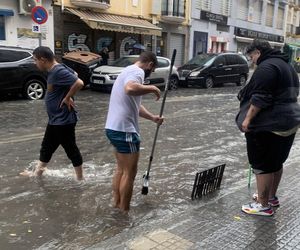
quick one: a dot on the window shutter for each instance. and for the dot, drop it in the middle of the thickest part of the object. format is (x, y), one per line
(270, 14)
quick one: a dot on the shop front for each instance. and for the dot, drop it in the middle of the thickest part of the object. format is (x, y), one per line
(94, 31)
(244, 37)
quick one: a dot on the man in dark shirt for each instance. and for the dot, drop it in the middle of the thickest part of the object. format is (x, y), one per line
(62, 85)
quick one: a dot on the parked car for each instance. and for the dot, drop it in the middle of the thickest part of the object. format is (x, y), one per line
(19, 73)
(83, 62)
(211, 70)
(104, 77)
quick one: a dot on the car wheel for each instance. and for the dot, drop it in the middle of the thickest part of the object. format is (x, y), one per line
(209, 82)
(34, 90)
(173, 82)
(242, 81)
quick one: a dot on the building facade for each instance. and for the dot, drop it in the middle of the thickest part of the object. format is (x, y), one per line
(174, 19)
(230, 25)
(122, 26)
(17, 27)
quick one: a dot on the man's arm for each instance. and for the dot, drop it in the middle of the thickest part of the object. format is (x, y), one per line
(136, 89)
(252, 112)
(149, 116)
(73, 90)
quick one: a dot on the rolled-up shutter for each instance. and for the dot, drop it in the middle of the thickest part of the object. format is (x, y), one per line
(177, 42)
(270, 15)
(257, 10)
(242, 12)
(280, 17)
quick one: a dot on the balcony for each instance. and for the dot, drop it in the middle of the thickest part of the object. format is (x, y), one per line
(172, 17)
(94, 4)
(173, 11)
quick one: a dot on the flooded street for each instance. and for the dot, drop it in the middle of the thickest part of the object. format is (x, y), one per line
(57, 212)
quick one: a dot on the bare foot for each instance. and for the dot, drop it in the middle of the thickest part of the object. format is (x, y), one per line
(26, 173)
(36, 173)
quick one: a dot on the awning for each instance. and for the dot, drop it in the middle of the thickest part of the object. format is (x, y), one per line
(249, 40)
(103, 21)
(6, 12)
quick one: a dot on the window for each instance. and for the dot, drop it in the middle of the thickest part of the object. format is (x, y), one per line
(204, 5)
(162, 63)
(219, 60)
(223, 8)
(256, 12)
(280, 17)
(12, 55)
(2, 28)
(173, 8)
(231, 59)
(242, 12)
(270, 15)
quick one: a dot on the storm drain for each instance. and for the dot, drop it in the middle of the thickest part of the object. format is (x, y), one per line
(158, 240)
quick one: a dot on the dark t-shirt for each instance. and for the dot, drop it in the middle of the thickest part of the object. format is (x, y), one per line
(60, 79)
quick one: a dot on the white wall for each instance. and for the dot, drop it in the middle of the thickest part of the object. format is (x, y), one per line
(12, 23)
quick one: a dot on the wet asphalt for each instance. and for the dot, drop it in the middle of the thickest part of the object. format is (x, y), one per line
(58, 212)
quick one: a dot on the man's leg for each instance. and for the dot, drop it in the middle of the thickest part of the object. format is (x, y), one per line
(275, 183)
(127, 169)
(68, 142)
(49, 144)
(264, 182)
(116, 184)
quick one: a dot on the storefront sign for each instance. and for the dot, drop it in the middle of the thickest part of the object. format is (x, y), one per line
(256, 34)
(208, 16)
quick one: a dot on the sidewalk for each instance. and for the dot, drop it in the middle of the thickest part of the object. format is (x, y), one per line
(220, 224)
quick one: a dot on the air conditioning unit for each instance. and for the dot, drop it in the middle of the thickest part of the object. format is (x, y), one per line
(26, 6)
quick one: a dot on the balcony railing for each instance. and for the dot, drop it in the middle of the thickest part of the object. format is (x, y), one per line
(97, 4)
(173, 13)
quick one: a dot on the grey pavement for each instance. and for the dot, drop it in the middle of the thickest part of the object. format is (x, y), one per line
(56, 212)
(216, 222)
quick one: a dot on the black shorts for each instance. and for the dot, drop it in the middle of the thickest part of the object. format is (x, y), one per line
(267, 151)
(63, 135)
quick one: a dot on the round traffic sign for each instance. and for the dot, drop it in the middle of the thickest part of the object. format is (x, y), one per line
(39, 15)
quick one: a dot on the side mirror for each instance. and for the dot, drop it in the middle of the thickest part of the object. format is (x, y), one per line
(220, 65)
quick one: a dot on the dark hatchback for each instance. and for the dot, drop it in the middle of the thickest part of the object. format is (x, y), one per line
(19, 73)
(210, 70)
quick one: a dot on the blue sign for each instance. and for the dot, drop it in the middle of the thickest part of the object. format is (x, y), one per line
(39, 14)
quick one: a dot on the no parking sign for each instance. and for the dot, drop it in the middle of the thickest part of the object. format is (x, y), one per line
(39, 15)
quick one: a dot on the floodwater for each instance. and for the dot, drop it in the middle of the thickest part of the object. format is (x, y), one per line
(57, 212)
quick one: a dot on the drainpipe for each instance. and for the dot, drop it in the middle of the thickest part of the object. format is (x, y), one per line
(62, 5)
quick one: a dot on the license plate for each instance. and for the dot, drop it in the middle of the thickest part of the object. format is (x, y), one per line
(98, 81)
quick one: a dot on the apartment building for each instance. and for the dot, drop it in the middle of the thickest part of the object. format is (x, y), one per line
(230, 25)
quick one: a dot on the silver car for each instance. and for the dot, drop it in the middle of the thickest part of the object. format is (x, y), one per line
(103, 77)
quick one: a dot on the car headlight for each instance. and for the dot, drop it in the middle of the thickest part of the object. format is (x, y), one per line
(113, 77)
(195, 73)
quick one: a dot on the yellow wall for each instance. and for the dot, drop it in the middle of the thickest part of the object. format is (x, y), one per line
(121, 7)
(125, 7)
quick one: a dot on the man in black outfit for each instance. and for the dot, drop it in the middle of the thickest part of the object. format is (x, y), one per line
(62, 85)
(270, 116)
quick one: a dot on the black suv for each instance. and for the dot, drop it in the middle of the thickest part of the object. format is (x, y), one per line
(211, 70)
(19, 73)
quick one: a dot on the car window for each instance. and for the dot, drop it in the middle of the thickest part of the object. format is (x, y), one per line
(12, 55)
(219, 60)
(242, 60)
(200, 59)
(124, 61)
(162, 63)
(231, 59)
